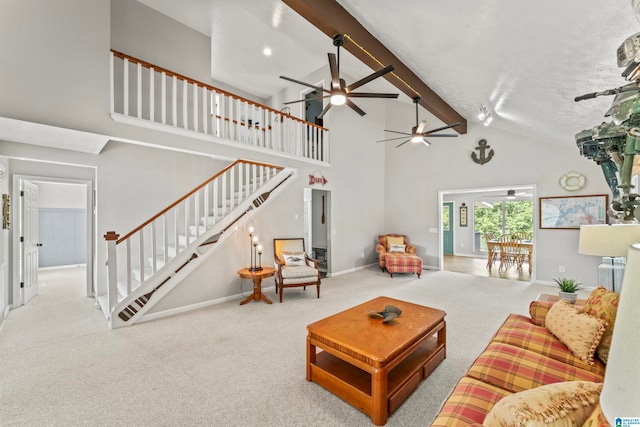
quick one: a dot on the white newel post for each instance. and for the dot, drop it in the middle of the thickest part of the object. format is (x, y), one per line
(112, 268)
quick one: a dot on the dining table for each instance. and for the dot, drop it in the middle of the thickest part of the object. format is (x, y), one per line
(494, 248)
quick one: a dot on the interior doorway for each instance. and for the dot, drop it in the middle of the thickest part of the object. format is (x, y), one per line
(53, 229)
(469, 250)
(317, 225)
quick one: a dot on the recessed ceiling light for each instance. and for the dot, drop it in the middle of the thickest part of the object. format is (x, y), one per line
(267, 51)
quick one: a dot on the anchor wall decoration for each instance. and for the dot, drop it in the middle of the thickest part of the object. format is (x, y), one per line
(482, 149)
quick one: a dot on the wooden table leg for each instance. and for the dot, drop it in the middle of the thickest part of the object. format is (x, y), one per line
(257, 294)
(379, 397)
(311, 357)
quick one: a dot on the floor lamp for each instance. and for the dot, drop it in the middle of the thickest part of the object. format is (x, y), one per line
(610, 242)
(620, 393)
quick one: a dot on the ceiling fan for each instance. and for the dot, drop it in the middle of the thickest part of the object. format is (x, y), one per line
(418, 134)
(340, 93)
(511, 194)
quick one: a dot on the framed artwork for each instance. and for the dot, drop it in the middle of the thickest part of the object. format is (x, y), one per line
(463, 215)
(570, 212)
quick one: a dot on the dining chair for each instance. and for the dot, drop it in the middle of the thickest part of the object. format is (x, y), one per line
(510, 252)
(521, 235)
(492, 248)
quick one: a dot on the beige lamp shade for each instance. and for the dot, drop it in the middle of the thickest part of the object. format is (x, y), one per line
(620, 395)
(608, 240)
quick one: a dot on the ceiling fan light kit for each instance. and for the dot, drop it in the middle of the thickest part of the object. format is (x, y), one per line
(341, 93)
(418, 134)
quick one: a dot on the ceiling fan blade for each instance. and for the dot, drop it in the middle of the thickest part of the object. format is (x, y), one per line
(372, 95)
(335, 74)
(449, 135)
(370, 77)
(324, 111)
(307, 99)
(354, 107)
(321, 89)
(421, 126)
(395, 131)
(391, 139)
(425, 142)
(399, 145)
(442, 128)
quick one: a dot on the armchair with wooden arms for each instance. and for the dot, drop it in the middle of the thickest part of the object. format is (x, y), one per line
(294, 268)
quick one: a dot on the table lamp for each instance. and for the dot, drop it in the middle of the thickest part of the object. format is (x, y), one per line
(620, 395)
(611, 242)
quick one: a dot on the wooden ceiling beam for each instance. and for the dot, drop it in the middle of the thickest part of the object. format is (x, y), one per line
(331, 18)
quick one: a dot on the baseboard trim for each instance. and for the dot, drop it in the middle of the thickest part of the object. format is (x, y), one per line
(186, 308)
(351, 270)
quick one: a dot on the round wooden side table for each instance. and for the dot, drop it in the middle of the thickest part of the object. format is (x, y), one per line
(257, 277)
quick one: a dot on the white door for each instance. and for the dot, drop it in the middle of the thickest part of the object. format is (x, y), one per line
(29, 237)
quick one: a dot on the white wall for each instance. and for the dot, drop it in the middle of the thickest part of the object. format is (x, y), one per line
(54, 65)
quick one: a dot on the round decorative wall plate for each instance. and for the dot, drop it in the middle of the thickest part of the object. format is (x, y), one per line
(572, 181)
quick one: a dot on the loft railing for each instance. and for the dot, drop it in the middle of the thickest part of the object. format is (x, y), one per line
(143, 91)
(148, 254)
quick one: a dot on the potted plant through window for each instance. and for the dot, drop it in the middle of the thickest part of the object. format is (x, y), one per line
(568, 289)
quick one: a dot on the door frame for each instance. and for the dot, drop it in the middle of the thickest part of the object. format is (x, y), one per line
(473, 190)
(450, 205)
(14, 239)
(308, 225)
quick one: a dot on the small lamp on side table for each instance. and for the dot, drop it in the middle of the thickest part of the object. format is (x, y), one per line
(611, 242)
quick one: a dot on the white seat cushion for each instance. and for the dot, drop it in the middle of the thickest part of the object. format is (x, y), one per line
(298, 274)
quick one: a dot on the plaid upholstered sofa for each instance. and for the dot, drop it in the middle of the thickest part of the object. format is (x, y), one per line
(525, 357)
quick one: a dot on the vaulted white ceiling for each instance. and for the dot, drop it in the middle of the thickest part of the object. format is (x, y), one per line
(526, 61)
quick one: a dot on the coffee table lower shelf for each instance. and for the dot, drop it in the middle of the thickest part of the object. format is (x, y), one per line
(353, 384)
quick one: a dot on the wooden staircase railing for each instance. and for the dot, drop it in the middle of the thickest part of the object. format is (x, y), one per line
(154, 253)
(143, 94)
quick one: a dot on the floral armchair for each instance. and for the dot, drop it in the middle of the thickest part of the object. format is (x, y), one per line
(397, 244)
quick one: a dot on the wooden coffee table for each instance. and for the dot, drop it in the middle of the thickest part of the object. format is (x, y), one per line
(372, 365)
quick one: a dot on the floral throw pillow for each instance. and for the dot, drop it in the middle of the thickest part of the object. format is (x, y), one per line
(603, 303)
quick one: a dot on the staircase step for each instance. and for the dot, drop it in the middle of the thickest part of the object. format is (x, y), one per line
(212, 219)
(136, 273)
(122, 288)
(171, 249)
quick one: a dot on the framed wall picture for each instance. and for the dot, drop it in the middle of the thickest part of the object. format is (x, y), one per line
(570, 212)
(463, 215)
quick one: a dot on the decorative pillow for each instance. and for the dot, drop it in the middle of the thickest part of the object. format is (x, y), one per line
(397, 248)
(596, 419)
(603, 304)
(394, 241)
(578, 331)
(538, 311)
(558, 404)
(293, 258)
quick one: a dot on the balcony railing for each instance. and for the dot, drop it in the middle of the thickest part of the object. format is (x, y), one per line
(151, 94)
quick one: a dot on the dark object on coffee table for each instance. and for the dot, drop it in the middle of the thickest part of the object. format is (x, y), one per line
(389, 313)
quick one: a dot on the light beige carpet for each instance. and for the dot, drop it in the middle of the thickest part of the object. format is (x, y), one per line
(224, 365)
